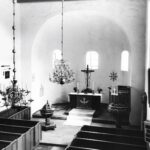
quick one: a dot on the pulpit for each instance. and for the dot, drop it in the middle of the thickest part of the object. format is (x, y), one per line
(119, 103)
(85, 101)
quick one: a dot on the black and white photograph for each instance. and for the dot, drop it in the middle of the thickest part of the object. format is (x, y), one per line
(74, 74)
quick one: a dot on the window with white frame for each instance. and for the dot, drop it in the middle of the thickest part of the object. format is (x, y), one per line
(56, 56)
(92, 59)
(125, 60)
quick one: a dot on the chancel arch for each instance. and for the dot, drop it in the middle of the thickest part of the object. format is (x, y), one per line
(89, 32)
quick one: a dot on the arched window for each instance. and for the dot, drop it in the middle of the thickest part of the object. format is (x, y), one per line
(125, 60)
(56, 56)
(92, 59)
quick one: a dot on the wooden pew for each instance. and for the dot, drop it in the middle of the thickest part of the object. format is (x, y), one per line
(35, 127)
(5, 136)
(4, 145)
(111, 137)
(30, 132)
(128, 132)
(21, 140)
(24, 123)
(17, 112)
(13, 129)
(79, 148)
(101, 138)
(104, 145)
(16, 139)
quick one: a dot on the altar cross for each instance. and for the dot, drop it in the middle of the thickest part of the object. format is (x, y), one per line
(88, 72)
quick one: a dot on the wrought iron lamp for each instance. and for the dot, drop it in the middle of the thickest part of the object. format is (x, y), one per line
(62, 73)
(13, 93)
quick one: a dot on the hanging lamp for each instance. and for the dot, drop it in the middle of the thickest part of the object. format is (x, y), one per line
(13, 94)
(62, 73)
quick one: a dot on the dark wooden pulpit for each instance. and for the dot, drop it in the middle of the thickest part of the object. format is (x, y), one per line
(120, 103)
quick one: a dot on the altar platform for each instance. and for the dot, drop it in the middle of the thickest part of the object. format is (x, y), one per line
(100, 116)
(63, 134)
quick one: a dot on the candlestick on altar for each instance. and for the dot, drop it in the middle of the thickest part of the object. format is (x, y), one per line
(77, 85)
(93, 85)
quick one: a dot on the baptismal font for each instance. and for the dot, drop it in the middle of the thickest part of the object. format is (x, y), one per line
(47, 113)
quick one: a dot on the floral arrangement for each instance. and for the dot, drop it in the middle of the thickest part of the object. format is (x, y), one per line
(12, 96)
(99, 90)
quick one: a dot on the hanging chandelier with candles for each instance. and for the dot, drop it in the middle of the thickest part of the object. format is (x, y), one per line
(62, 73)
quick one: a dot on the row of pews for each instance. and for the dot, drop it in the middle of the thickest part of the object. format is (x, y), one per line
(102, 138)
(19, 134)
(17, 112)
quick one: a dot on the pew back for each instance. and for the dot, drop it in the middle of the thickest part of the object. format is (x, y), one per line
(101, 138)
(119, 131)
(4, 144)
(29, 131)
(104, 145)
(111, 137)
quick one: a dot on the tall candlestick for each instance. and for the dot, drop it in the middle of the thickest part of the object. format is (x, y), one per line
(77, 85)
(93, 85)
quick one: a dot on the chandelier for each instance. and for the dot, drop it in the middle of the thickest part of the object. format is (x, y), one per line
(62, 73)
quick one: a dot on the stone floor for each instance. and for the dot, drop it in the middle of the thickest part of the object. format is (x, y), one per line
(62, 135)
(59, 138)
(48, 147)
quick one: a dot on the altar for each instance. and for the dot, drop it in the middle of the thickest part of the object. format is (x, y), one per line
(85, 101)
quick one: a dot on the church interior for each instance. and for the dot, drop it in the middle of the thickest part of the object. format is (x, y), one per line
(82, 85)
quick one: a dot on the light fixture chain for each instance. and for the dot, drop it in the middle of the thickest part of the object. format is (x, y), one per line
(14, 40)
(14, 54)
(62, 74)
(62, 29)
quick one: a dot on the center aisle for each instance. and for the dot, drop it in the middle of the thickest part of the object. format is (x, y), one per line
(79, 117)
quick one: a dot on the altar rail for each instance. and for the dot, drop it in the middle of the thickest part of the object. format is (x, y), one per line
(19, 134)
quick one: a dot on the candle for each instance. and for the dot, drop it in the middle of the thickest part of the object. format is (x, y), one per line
(93, 86)
(0, 87)
(77, 85)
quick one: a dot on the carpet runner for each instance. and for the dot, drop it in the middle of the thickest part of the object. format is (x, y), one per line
(79, 117)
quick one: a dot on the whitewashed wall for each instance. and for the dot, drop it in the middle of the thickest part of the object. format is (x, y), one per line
(103, 25)
(6, 43)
